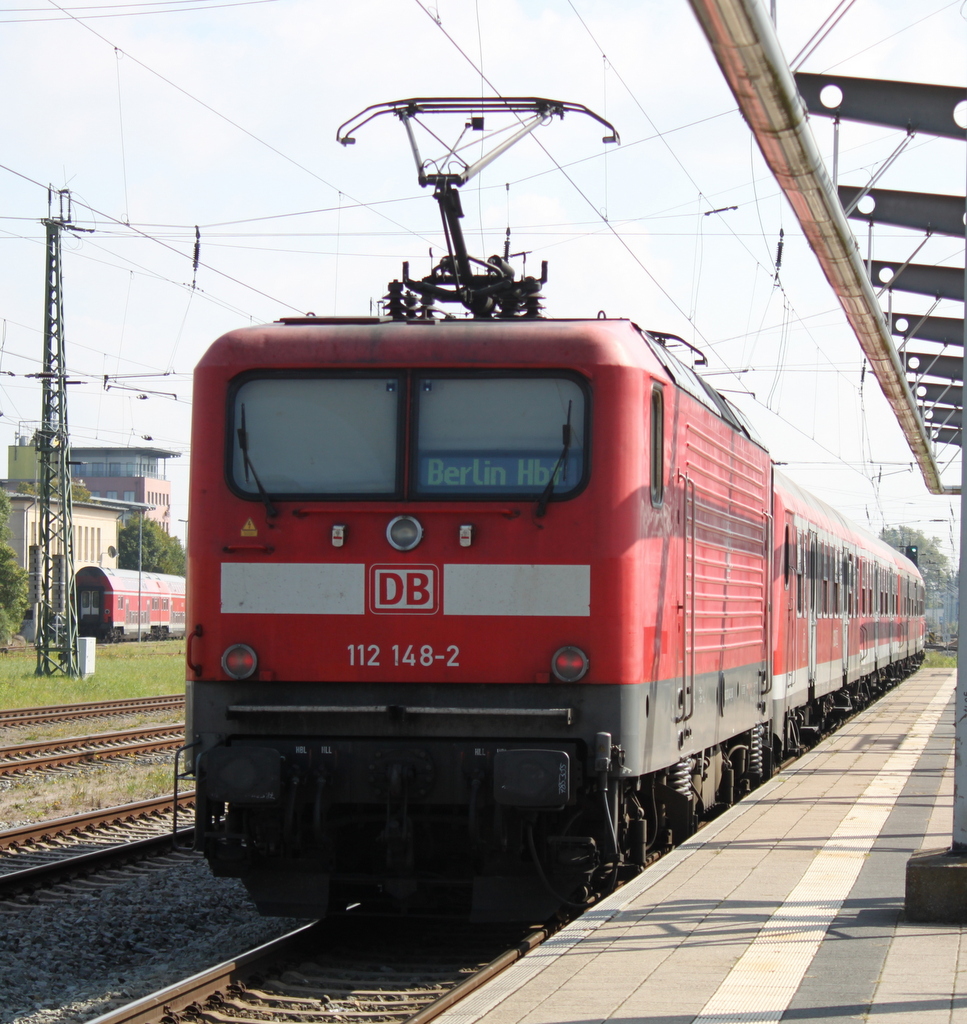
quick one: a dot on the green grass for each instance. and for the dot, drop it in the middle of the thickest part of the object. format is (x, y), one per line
(935, 659)
(122, 670)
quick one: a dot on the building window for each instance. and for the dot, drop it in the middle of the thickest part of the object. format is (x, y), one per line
(129, 495)
(112, 494)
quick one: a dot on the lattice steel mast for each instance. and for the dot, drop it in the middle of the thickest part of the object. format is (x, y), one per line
(56, 604)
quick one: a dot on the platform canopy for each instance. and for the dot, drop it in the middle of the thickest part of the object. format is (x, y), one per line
(913, 355)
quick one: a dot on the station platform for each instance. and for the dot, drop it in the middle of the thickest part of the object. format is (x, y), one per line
(788, 907)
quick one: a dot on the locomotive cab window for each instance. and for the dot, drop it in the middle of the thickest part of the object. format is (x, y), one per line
(305, 435)
(510, 435)
(359, 435)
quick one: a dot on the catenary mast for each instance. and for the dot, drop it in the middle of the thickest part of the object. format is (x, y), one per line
(52, 577)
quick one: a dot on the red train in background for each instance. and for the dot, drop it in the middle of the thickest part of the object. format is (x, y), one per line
(108, 604)
(486, 612)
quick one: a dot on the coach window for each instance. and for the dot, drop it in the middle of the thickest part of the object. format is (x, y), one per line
(837, 581)
(813, 575)
(824, 549)
(787, 551)
(298, 436)
(658, 448)
(488, 436)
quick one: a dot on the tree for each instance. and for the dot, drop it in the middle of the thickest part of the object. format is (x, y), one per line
(934, 565)
(13, 579)
(938, 579)
(160, 552)
(78, 491)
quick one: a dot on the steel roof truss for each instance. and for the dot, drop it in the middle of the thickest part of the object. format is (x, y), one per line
(945, 418)
(947, 435)
(911, 106)
(929, 364)
(943, 329)
(744, 42)
(920, 278)
(940, 394)
(937, 214)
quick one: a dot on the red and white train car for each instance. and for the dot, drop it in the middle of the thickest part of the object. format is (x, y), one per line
(484, 611)
(122, 604)
(849, 612)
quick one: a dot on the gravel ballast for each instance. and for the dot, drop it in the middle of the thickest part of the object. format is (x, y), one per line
(71, 957)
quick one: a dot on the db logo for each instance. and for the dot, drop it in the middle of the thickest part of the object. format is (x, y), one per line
(408, 589)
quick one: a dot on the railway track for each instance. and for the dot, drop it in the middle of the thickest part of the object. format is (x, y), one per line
(23, 757)
(330, 973)
(53, 866)
(44, 854)
(78, 824)
(93, 709)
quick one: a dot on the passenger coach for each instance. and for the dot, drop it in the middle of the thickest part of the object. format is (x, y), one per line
(123, 604)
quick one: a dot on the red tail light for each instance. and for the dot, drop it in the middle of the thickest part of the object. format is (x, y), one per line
(239, 661)
(569, 664)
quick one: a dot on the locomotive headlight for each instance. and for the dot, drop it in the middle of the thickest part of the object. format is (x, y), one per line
(404, 533)
(239, 661)
(569, 664)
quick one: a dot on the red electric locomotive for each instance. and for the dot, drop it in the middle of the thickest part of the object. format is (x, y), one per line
(484, 611)
(459, 613)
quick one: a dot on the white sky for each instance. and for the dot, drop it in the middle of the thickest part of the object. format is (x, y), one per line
(160, 116)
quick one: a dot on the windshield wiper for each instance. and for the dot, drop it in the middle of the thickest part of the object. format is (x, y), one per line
(270, 509)
(561, 462)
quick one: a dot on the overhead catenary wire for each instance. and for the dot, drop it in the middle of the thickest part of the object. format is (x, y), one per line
(170, 7)
(816, 40)
(787, 304)
(348, 250)
(437, 21)
(124, 163)
(893, 35)
(144, 271)
(216, 113)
